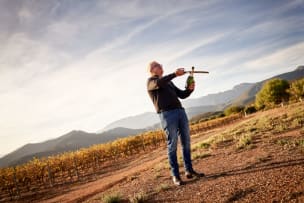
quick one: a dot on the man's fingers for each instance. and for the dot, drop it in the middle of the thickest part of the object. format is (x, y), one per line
(180, 71)
(192, 86)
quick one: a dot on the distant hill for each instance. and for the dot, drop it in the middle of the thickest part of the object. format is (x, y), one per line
(241, 94)
(150, 120)
(206, 116)
(219, 98)
(194, 111)
(209, 103)
(73, 140)
(249, 96)
(191, 112)
(134, 122)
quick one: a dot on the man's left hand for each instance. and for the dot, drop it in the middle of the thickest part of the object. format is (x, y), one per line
(191, 87)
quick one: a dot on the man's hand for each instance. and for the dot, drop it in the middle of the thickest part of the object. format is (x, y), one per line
(191, 87)
(180, 71)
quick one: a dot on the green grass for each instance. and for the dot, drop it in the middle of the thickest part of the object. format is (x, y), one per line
(140, 197)
(162, 187)
(222, 138)
(241, 136)
(290, 143)
(300, 143)
(266, 124)
(166, 165)
(283, 142)
(112, 198)
(162, 165)
(204, 145)
(200, 155)
(244, 141)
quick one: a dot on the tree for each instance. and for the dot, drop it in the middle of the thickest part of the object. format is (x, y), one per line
(233, 109)
(273, 92)
(297, 89)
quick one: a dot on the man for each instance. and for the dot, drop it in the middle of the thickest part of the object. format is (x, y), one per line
(174, 121)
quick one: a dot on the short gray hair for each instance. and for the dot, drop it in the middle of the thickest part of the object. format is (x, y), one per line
(151, 65)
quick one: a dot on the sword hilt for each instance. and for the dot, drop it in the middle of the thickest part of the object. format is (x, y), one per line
(196, 71)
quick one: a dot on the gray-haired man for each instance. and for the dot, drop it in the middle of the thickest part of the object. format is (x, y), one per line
(164, 95)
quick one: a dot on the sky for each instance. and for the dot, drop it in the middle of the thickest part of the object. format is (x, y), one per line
(80, 65)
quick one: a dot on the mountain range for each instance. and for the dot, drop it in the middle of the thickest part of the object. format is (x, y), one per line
(73, 140)
(241, 94)
(248, 96)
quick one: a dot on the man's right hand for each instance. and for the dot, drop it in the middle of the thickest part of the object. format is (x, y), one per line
(180, 71)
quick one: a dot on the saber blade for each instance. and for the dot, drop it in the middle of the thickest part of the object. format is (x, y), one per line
(197, 71)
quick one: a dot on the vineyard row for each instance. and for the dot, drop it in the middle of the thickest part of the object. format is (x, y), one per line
(39, 175)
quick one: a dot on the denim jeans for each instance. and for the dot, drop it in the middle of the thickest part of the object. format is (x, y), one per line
(175, 122)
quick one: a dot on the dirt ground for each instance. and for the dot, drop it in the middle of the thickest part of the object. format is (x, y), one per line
(267, 171)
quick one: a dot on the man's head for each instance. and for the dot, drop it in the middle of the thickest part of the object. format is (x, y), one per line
(155, 68)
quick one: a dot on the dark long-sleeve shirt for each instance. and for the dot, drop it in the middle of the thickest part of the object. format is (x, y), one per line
(164, 94)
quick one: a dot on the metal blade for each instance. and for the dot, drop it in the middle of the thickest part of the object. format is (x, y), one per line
(197, 71)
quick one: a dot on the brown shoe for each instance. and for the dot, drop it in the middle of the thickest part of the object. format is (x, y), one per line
(194, 174)
(177, 180)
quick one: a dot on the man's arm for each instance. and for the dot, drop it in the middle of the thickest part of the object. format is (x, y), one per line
(155, 82)
(182, 93)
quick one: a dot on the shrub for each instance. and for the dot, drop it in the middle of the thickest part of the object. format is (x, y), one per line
(250, 109)
(204, 145)
(112, 198)
(138, 198)
(297, 89)
(233, 109)
(162, 187)
(273, 92)
(244, 141)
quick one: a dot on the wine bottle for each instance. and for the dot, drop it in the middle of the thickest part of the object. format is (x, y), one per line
(190, 78)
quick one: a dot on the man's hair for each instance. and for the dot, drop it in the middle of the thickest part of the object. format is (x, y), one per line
(151, 65)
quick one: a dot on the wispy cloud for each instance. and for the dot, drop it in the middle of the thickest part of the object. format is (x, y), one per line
(81, 65)
(281, 59)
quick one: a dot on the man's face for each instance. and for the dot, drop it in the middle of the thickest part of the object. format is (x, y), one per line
(157, 70)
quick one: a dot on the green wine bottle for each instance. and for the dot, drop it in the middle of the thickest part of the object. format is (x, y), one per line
(190, 78)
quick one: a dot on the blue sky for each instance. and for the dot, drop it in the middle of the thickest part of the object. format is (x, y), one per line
(72, 64)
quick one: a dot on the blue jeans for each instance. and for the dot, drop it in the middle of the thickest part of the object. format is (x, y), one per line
(175, 122)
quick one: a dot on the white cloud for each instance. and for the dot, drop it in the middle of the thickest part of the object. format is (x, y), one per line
(47, 91)
(280, 59)
(138, 9)
(23, 59)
